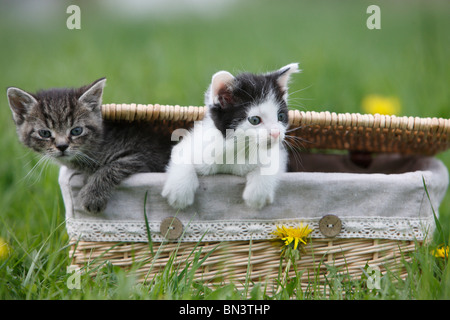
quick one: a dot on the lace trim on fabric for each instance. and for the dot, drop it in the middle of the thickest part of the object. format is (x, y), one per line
(194, 231)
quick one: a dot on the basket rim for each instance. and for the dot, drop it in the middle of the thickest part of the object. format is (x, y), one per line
(324, 129)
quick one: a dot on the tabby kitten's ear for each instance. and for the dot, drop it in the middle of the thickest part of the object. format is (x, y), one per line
(284, 74)
(221, 90)
(92, 97)
(20, 103)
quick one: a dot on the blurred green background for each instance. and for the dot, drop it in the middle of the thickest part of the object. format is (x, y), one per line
(166, 52)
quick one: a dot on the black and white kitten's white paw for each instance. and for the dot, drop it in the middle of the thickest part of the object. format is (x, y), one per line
(256, 197)
(90, 202)
(180, 195)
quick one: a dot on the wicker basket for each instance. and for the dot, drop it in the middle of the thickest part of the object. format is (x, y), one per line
(245, 263)
(322, 130)
(247, 255)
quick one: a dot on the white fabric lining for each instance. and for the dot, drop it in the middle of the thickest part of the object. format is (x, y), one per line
(369, 204)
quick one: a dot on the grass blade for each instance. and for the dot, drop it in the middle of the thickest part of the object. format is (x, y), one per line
(147, 227)
(436, 220)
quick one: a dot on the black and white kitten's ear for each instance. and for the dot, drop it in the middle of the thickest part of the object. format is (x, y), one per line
(220, 91)
(20, 103)
(92, 97)
(284, 75)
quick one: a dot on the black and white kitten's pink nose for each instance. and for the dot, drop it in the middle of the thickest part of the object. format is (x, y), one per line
(275, 133)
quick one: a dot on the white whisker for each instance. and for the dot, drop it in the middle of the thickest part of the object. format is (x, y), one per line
(295, 152)
(43, 163)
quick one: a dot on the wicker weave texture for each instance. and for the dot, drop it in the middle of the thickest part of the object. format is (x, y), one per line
(321, 130)
(251, 261)
(259, 261)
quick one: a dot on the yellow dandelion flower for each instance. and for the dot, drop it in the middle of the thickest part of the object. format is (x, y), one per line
(294, 235)
(382, 105)
(4, 249)
(289, 235)
(441, 252)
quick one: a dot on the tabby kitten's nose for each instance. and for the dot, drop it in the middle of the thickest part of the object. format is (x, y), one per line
(62, 147)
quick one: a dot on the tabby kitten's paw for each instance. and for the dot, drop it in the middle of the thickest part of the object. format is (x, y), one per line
(90, 202)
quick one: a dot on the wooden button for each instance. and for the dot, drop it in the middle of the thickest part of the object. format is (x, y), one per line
(330, 226)
(171, 228)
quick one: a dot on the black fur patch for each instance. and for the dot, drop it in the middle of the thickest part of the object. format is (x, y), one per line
(247, 90)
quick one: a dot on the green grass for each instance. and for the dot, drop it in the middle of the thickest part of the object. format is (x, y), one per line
(169, 60)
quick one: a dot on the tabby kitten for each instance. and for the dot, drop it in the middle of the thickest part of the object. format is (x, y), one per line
(67, 126)
(241, 134)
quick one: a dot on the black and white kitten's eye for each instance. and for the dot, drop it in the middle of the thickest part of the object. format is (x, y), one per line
(44, 133)
(282, 117)
(76, 131)
(255, 120)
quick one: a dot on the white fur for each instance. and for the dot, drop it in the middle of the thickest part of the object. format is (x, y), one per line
(204, 151)
(191, 157)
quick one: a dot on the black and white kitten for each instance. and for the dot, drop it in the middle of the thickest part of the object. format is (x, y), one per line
(241, 134)
(67, 126)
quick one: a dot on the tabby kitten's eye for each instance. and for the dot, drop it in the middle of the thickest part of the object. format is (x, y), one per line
(76, 131)
(255, 120)
(45, 133)
(282, 117)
